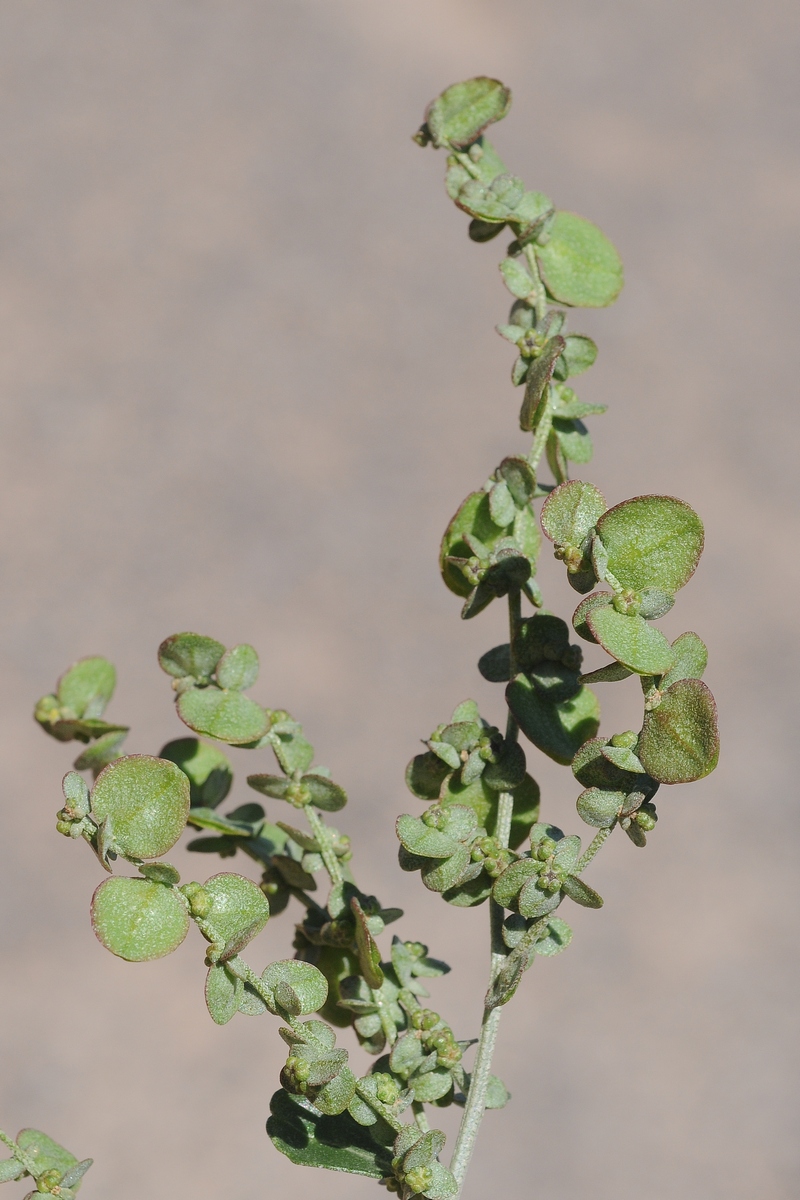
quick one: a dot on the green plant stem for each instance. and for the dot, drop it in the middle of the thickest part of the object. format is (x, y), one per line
(20, 1155)
(590, 851)
(542, 433)
(418, 1109)
(323, 836)
(476, 1098)
(540, 295)
(475, 1105)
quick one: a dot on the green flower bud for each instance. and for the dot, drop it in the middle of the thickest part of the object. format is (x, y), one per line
(419, 1179)
(628, 602)
(387, 1089)
(626, 741)
(64, 827)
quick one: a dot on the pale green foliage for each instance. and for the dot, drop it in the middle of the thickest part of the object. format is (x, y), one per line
(480, 839)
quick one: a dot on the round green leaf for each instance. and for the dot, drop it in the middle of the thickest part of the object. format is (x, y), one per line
(147, 802)
(679, 741)
(86, 688)
(325, 794)
(440, 874)
(422, 839)
(580, 617)
(209, 771)
(300, 983)
(223, 993)
(579, 264)
(461, 113)
(559, 730)
(652, 542)
(239, 910)
(691, 659)
(579, 353)
(574, 439)
(190, 654)
(238, 668)
(474, 517)
(558, 937)
(571, 511)
(599, 808)
(46, 1153)
(10, 1168)
(433, 1085)
(137, 919)
(425, 775)
(630, 640)
(227, 716)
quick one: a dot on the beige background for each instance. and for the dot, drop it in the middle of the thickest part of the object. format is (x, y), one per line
(247, 373)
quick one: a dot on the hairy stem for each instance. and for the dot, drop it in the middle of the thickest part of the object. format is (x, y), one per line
(476, 1099)
(323, 836)
(479, 1083)
(418, 1109)
(591, 849)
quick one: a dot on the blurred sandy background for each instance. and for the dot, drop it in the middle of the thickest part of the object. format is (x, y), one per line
(248, 371)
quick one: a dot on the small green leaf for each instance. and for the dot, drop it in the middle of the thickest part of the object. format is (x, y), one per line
(190, 654)
(137, 919)
(227, 716)
(630, 640)
(102, 752)
(441, 874)
(311, 1140)
(679, 742)
(508, 885)
(574, 439)
(558, 937)
(209, 771)
(497, 1094)
(325, 794)
(624, 758)
(147, 802)
(581, 893)
(502, 508)
(433, 1085)
(161, 873)
(580, 353)
(336, 1095)
(237, 670)
(598, 807)
(422, 839)
(579, 264)
(655, 603)
(301, 984)
(519, 478)
(238, 911)
(86, 688)
(474, 520)
(425, 775)
(691, 660)
(461, 113)
(580, 616)
(559, 730)
(611, 673)
(223, 993)
(495, 664)
(652, 542)
(571, 511)
(537, 383)
(47, 1154)
(10, 1169)
(292, 750)
(369, 956)
(591, 768)
(517, 278)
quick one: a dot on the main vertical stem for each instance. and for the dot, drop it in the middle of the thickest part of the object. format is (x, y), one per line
(476, 1099)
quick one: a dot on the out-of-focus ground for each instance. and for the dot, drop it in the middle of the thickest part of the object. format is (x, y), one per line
(248, 372)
